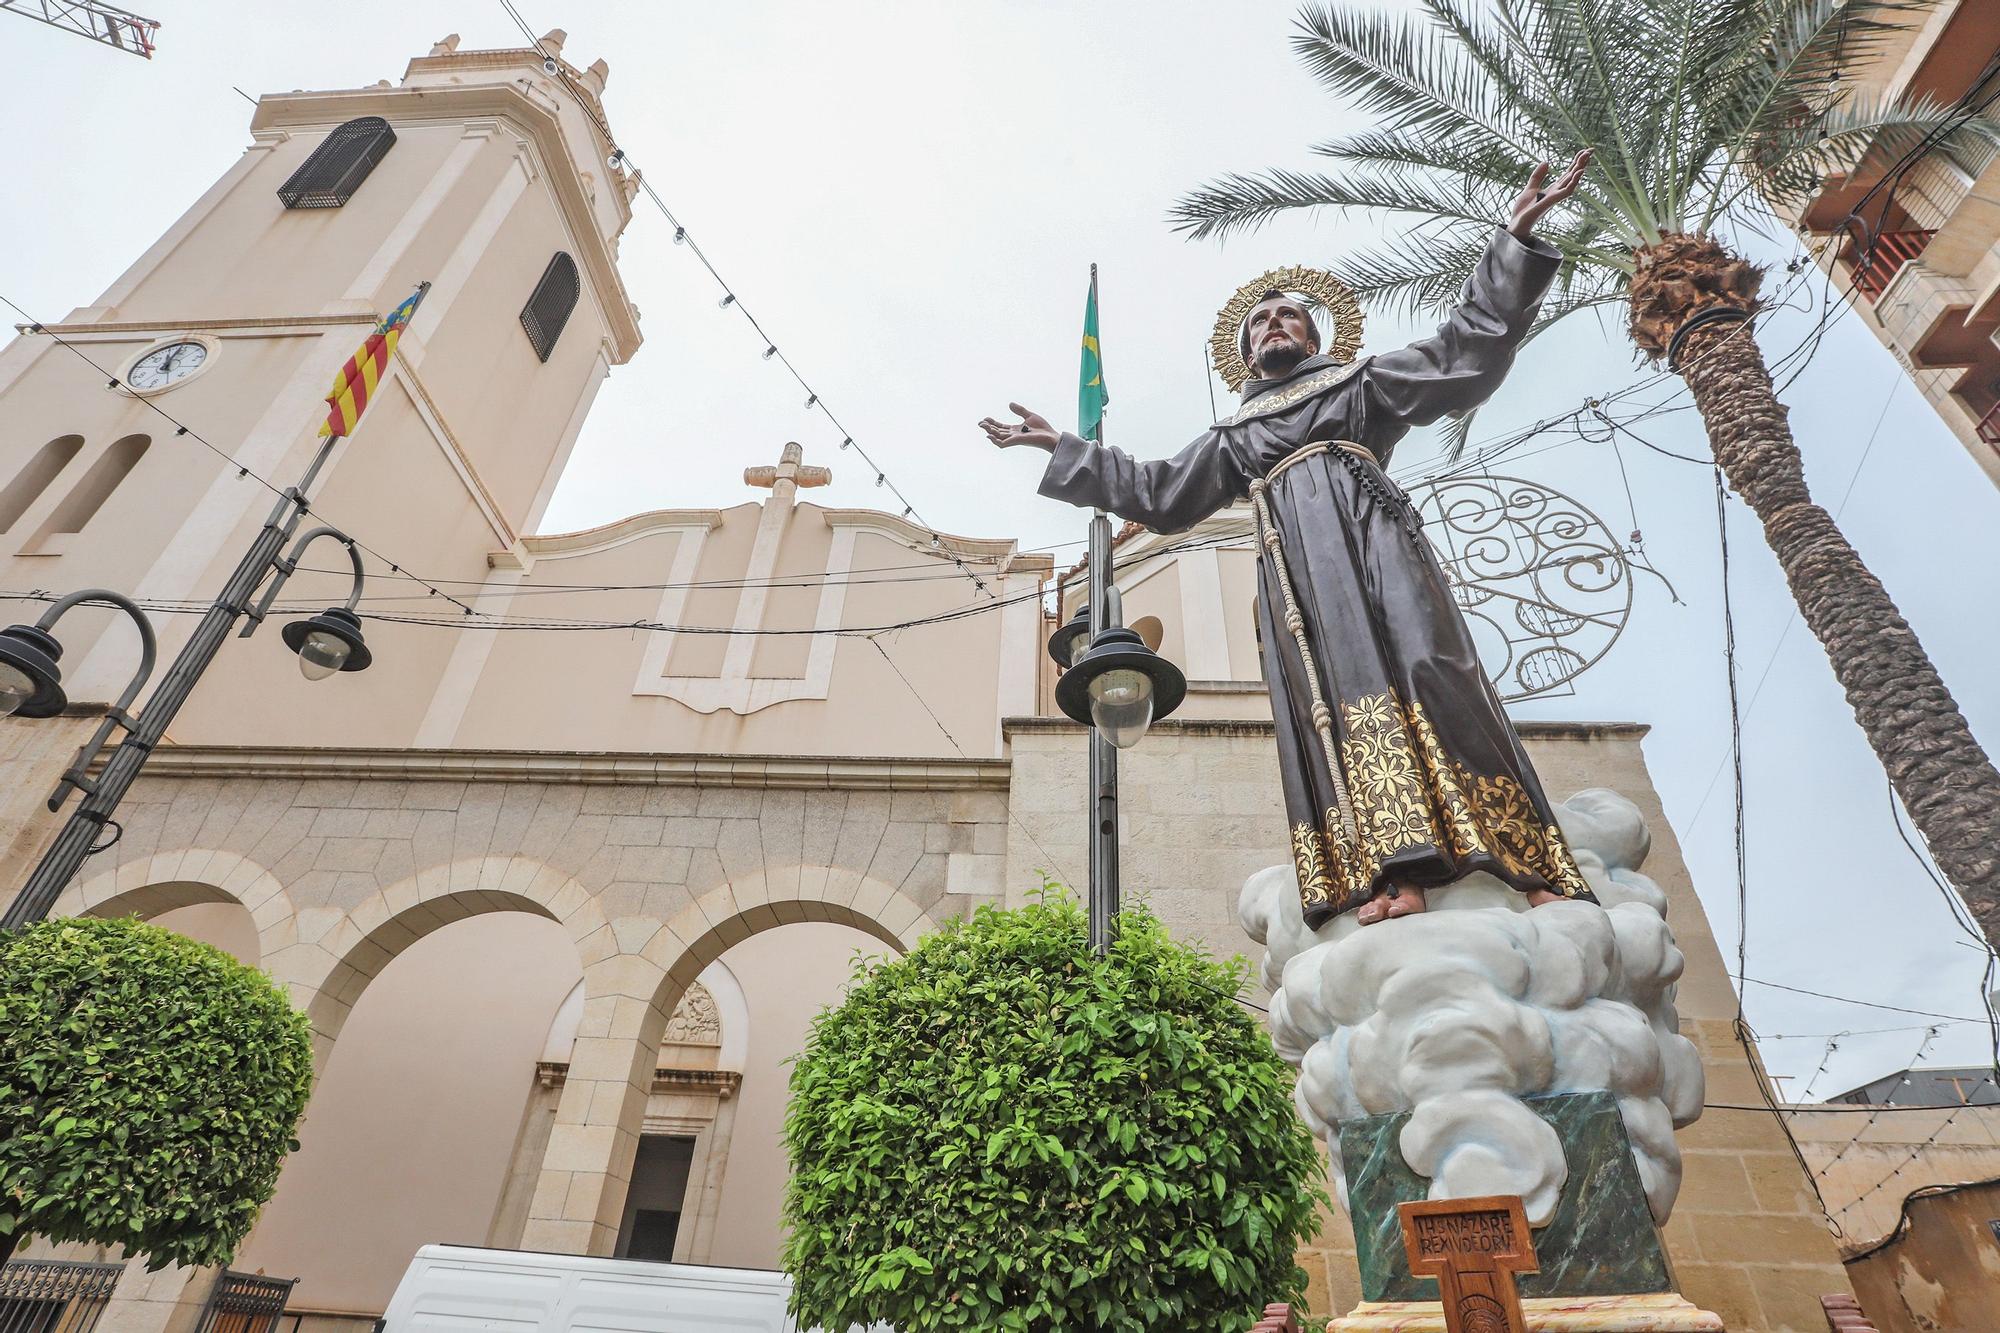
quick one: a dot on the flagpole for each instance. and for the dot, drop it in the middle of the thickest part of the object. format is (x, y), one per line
(80, 834)
(1104, 614)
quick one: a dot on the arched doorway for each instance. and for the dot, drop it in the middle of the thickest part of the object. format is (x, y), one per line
(412, 1126)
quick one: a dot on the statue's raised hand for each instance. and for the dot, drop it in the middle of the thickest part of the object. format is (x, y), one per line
(1033, 428)
(1540, 194)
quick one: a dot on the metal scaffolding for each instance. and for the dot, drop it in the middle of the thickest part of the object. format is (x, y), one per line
(101, 23)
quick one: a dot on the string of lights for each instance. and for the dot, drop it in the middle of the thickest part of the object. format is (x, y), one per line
(1826, 1058)
(243, 470)
(1863, 1032)
(1889, 1103)
(1904, 1165)
(732, 300)
(495, 621)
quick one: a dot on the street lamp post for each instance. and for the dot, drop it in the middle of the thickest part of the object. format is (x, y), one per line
(1117, 686)
(28, 656)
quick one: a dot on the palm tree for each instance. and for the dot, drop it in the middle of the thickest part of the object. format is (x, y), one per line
(1700, 112)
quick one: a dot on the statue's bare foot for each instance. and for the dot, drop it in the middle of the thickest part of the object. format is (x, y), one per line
(1382, 906)
(1540, 897)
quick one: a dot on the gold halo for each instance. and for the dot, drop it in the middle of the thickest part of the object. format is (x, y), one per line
(1335, 299)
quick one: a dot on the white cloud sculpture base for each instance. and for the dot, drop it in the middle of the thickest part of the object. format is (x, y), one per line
(1456, 1013)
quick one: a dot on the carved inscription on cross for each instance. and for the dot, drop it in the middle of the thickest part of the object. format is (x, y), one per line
(1473, 1247)
(790, 470)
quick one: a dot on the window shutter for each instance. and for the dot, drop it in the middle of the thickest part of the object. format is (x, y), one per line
(337, 167)
(548, 309)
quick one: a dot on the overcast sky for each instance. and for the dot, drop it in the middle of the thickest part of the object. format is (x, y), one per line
(909, 196)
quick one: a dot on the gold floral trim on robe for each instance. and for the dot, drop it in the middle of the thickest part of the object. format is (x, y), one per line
(1309, 860)
(1409, 793)
(1495, 816)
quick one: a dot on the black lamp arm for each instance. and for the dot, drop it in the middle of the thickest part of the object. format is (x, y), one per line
(286, 565)
(116, 715)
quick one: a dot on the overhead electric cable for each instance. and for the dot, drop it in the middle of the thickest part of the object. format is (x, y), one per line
(243, 470)
(730, 298)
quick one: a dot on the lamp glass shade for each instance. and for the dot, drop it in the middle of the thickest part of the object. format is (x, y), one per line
(322, 654)
(1071, 640)
(16, 688)
(1121, 706)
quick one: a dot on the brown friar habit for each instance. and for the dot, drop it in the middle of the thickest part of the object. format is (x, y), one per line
(1399, 766)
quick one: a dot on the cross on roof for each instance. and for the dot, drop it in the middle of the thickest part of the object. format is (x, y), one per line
(789, 469)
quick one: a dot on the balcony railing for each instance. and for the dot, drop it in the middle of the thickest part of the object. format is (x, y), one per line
(1885, 260)
(54, 1295)
(1989, 426)
(245, 1303)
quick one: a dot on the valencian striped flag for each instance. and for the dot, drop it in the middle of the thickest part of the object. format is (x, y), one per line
(1091, 396)
(364, 370)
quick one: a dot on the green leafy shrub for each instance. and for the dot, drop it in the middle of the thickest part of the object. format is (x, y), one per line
(149, 1088)
(1002, 1131)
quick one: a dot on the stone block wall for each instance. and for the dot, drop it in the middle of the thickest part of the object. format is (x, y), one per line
(656, 864)
(34, 752)
(1869, 1162)
(653, 867)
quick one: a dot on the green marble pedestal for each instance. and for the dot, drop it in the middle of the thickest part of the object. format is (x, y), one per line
(1601, 1241)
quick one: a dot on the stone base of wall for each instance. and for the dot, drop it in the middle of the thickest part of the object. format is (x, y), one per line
(1543, 1314)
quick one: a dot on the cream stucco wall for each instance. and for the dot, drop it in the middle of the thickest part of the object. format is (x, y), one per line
(788, 976)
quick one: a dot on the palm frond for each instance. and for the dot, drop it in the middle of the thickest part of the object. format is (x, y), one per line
(1790, 165)
(1776, 67)
(1547, 53)
(1611, 67)
(1492, 172)
(1238, 203)
(1701, 113)
(1476, 158)
(1488, 47)
(1417, 272)
(1403, 72)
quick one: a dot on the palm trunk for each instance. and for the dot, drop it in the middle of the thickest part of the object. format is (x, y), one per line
(1944, 778)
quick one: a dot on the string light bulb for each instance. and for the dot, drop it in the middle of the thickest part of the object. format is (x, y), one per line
(812, 400)
(879, 479)
(847, 443)
(728, 300)
(770, 352)
(680, 235)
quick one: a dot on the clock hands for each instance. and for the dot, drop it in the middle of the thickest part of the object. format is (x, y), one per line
(165, 365)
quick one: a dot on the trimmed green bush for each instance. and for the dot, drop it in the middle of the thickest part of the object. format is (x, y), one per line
(149, 1089)
(1002, 1131)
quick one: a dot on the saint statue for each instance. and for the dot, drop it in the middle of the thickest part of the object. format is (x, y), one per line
(1401, 772)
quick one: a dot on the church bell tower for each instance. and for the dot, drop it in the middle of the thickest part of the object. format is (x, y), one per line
(489, 174)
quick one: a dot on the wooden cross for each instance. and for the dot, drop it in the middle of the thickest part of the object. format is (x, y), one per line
(1473, 1247)
(789, 469)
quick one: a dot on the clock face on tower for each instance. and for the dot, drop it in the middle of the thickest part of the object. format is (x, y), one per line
(167, 365)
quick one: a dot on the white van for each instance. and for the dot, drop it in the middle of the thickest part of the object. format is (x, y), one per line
(458, 1289)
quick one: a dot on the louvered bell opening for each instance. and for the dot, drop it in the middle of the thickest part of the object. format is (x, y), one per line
(337, 167)
(548, 309)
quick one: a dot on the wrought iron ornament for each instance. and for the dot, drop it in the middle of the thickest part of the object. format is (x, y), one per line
(1544, 586)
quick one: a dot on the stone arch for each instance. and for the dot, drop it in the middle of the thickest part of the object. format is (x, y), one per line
(632, 984)
(330, 956)
(148, 886)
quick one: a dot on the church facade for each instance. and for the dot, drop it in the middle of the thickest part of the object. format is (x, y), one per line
(559, 904)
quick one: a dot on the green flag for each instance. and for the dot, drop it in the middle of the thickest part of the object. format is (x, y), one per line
(1091, 397)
